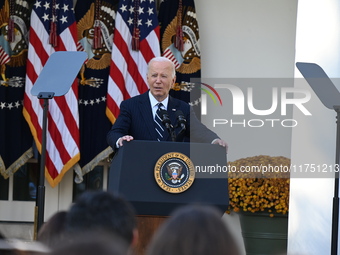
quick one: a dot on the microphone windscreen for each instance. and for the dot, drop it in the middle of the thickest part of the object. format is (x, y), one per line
(179, 113)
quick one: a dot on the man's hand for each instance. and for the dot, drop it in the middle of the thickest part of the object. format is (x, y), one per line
(221, 143)
(124, 138)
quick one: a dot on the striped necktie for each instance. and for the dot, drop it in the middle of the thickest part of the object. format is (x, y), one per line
(159, 125)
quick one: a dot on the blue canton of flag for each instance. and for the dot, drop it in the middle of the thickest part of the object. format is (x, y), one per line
(60, 15)
(139, 14)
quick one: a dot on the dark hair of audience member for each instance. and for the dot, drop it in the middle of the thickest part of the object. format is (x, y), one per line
(93, 243)
(51, 232)
(104, 212)
(193, 230)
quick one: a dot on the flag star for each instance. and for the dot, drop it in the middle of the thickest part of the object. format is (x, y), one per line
(54, 18)
(142, 1)
(151, 1)
(140, 10)
(103, 99)
(65, 7)
(139, 23)
(80, 101)
(97, 100)
(149, 22)
(37, 4)
(150, 11)
(10, 106)
(130, 21)
(47, 5)
(63, 19)
(3, 105)
(123, 8)
(45, 17)
(91, 102)
(57, 6)
(86, 102)
(17, 104)
(131, 10)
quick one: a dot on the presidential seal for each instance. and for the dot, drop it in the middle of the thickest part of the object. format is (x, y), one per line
(174, 172)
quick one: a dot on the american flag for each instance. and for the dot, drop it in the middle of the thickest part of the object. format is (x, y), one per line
(128, 68)
(53, 28)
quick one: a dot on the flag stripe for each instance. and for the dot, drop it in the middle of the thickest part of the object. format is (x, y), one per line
(4, 57)
(128, 68)
(119, 80)
(168, 54)
(128, 84)
(149, 46)
(130, 57)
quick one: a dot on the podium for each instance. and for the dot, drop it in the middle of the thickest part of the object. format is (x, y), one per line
(132, 176)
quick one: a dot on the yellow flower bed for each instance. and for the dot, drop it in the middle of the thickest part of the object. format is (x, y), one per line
(259, 183)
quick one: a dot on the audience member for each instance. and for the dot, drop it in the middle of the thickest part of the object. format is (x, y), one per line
(51, 232)
(89, 244)
(101, 211)
(193, 230)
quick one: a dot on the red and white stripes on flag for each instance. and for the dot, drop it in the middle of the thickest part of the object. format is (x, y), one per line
(62, 146)
(4, 57)
(169, 54)
(135, 43)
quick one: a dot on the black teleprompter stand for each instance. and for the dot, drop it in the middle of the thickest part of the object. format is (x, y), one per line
(330, 97)
(55, 79)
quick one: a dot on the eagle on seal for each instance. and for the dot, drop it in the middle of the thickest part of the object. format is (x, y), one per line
(175, 170)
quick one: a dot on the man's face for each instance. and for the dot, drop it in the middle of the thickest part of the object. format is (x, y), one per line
(160, 79)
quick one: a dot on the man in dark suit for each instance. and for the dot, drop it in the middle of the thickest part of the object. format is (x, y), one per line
(137, 114)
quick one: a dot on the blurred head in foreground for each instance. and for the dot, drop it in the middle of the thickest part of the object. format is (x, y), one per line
(101, 211)
(193, 230)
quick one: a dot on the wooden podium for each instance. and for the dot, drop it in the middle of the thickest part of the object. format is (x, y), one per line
(132, 176)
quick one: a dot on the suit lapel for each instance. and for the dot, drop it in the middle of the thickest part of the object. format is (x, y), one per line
(146, 113)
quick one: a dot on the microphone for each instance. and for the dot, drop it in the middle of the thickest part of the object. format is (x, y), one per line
(167, 123)
(181, 121)
(165, 118)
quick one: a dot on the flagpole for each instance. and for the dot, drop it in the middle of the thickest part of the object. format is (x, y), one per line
(329, 95)
(40, 200)
(335, 212)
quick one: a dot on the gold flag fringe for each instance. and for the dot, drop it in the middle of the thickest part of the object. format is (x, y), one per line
(91, 165)
(16, 165)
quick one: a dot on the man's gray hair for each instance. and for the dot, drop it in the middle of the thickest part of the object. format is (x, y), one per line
(163, 59)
